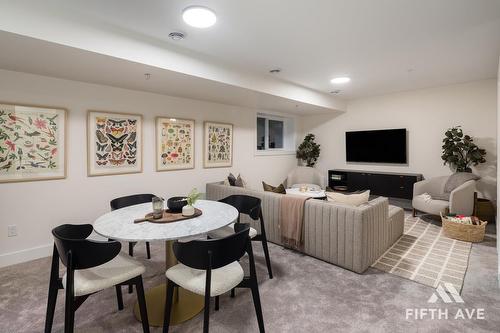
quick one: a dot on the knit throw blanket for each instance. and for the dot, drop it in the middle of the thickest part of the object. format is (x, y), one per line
(292, 221)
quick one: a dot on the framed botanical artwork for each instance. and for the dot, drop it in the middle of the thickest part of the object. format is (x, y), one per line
(218, 150)
(32, 143)
(114, 143)
(174, 144)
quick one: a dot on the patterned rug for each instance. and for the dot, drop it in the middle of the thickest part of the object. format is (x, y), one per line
(424, 255)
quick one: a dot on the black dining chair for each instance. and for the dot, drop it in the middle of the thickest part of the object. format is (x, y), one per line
(131, 200)
(210, 267)
(91, 266)
(250, 206)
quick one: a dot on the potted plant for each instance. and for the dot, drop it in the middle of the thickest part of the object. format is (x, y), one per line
(193, 196)
(308, 150)
(460, 151)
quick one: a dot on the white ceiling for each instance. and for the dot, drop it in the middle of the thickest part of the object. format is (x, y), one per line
(25, 54)
(384, 45)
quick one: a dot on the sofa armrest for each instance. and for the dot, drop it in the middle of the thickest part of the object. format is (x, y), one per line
(462, 198)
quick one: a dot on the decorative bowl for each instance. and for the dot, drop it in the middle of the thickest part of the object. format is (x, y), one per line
(175, 204)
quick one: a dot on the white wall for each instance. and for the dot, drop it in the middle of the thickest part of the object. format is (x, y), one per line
(36, 207)
(426, 114)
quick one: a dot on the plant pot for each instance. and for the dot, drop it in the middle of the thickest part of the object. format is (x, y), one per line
(188, 210)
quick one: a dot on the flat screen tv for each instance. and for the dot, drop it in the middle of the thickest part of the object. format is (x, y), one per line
(379, 146)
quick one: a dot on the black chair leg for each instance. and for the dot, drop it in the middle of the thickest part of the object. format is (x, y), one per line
(130, 253)
(216, 303)
(266, 254)
(206, 316)
(168, 306)
(119, 297)
(131, 249)
(148, 250)
(69, 316)
(258, 308)
(232, 293)
(142, 304)
(51, 307)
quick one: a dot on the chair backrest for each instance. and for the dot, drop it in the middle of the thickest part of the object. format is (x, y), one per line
(71, 242)
(245, 204)
(212, 253)
(130, 200)
(305, 175)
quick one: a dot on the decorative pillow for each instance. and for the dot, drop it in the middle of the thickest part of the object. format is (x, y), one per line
(278, 189)
(457, 179)
(349, 199)
(239, 182)
(232, 179)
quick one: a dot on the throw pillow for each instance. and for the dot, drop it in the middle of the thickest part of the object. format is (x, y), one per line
(457, 179)
(349, 199)
(276, 189)
(239, 182)
(232, 179)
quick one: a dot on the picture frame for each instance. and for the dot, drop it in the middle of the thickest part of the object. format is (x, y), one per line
(174, 144)
(114, 143)
(218, 145)
(32, 142)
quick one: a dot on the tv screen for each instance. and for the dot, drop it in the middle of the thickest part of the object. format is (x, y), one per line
(380, 146)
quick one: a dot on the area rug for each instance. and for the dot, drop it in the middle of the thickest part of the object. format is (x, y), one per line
(424, 255)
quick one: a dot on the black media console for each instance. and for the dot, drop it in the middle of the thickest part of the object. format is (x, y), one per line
(393, 185)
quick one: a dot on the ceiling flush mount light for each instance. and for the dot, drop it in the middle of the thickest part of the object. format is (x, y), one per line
(340, 80)
(199, 16)
(176, 35)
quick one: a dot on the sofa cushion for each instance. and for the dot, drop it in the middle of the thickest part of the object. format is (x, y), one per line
(457, 179)
(355, 199)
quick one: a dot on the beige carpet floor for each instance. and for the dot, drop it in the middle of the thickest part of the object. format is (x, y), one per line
(424, 255)
(306, 295)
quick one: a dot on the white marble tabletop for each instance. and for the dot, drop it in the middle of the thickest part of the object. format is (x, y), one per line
(312, 194)
(119, 224)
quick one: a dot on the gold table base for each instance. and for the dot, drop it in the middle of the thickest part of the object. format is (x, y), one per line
(185, 304)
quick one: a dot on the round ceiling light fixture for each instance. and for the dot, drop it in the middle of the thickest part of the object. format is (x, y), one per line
(199, 16)
(340, 80)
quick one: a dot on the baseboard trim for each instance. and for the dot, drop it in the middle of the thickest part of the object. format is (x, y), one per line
(18, 257)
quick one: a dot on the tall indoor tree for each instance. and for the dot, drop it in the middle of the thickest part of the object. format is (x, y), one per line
(308, 150)
(460, 151)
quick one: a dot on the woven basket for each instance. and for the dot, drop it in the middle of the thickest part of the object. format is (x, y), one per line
(464, 232)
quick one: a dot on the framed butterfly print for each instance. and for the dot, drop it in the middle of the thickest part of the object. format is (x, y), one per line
(32, 143)
(218, 145)
(174, 144)
(114, 143)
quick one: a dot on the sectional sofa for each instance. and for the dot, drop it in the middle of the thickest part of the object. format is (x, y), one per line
(346, 236)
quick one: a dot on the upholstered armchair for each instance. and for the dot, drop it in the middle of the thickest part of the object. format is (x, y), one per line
(461, 199)
(303, 175)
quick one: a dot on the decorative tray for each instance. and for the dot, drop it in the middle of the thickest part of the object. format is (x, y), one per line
(168, 217)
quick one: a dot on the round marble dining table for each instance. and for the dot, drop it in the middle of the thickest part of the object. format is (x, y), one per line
(119, 225)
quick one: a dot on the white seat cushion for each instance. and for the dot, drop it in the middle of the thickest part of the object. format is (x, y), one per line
(228, 231)
(120, 269)
(223, 279)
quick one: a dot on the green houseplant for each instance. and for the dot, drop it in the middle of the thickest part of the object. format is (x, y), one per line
(191, 199)
(308, 150)
(460, 151)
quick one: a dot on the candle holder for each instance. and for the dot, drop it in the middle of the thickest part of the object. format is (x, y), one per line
(158, 207)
